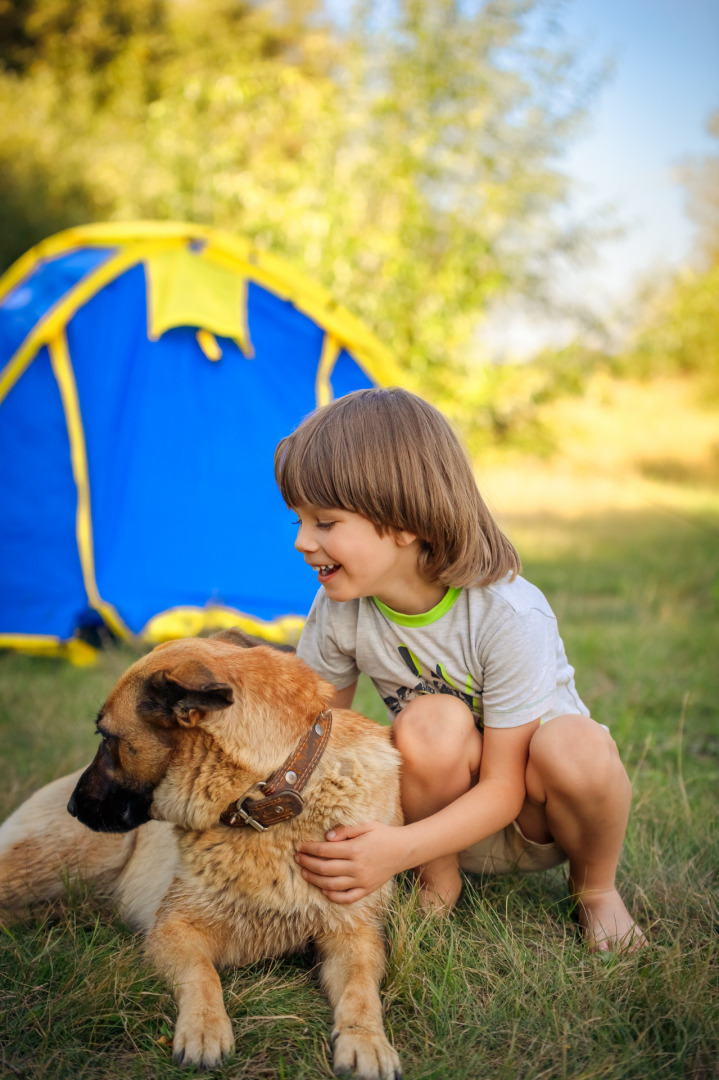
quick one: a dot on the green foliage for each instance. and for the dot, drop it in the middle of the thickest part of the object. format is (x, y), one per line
(502, 405)
(680, 331)
(678, 324)
(125, 110)
(408, 163)
(700, 178)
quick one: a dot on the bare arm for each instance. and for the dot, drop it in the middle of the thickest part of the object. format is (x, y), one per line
(343, 698)
(359, 859)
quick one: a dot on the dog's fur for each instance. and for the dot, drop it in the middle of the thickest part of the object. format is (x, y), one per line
(187, 729)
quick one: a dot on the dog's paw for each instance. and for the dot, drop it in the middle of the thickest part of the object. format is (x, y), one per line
(204, 1042)
(364, 1054)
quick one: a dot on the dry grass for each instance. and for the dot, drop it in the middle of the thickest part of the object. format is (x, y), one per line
(625, 446)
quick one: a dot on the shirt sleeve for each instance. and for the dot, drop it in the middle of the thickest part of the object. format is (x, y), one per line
(520, 669)
(320, 648)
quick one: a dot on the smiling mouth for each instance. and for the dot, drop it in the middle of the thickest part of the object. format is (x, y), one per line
(327, 571)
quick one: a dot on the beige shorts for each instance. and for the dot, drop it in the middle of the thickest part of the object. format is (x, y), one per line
(510, 850)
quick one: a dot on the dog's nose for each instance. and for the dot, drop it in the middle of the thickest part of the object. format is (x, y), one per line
(71, 808)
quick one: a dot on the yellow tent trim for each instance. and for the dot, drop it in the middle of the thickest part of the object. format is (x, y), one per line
(147, 237)
(78, 652)
(62, 368)
(331, 349)
(39, 641)
(181, 622)
(57, 318)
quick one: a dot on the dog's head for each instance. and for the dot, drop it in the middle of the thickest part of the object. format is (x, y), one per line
(179, 703)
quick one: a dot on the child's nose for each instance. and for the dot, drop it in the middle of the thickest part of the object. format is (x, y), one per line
(303, 541)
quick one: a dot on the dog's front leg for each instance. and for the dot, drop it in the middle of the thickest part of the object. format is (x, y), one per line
(184, 952)
(353, 965)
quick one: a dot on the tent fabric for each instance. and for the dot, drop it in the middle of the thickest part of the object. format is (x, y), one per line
(147, 373)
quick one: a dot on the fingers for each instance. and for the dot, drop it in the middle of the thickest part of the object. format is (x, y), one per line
(319, 849)
(334, 877)
(326, 849)
(338, 887)
(349, 897)
(325, 867)
(338, 884)
(346, 832)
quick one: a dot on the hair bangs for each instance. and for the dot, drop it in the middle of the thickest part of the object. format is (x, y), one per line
(309, 474)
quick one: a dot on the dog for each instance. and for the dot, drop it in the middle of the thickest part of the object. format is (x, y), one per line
(216, 760)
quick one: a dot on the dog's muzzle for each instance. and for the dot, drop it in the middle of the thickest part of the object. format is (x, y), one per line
(112, 809)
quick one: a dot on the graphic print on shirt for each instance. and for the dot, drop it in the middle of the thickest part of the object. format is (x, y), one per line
(432, 681)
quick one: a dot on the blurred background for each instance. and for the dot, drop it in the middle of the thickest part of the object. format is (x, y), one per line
(513, 194)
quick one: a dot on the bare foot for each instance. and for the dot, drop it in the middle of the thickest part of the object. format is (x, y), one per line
(440, 885)
(606, 923)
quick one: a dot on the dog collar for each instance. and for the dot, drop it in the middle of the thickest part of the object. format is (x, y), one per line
(281, 797)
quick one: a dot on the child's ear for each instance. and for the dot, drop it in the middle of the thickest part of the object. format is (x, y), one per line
(403, 538)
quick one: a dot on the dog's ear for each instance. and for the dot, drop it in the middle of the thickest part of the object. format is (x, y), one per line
(235, 636)
(185, 693)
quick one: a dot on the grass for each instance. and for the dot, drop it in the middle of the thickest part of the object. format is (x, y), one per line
(504, 988)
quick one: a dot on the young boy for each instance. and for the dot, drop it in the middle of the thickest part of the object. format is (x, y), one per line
(502, 767)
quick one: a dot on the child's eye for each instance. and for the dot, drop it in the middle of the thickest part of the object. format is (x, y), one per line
(295, 521)
(325, 524)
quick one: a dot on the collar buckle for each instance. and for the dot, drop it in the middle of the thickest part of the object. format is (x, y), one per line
(239, 809)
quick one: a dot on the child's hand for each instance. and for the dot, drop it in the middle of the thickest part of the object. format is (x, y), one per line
(356, 860)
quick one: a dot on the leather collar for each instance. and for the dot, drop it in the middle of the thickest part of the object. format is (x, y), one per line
(281, 797)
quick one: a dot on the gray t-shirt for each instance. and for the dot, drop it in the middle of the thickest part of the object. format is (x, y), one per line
(496, 647)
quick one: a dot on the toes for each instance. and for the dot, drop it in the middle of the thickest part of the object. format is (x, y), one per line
(204, 1047)
(364, 1054)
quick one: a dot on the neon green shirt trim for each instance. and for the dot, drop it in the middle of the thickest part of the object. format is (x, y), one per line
(425, 617)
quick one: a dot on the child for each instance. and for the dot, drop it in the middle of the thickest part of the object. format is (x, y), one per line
(502, 767)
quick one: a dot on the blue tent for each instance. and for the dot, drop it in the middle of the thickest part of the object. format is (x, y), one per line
(147, 372)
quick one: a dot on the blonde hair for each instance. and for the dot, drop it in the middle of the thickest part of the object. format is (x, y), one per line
(390, 456)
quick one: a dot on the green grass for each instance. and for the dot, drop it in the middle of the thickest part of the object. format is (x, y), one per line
(504, 988)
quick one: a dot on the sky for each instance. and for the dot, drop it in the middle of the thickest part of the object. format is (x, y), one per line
(647, 118)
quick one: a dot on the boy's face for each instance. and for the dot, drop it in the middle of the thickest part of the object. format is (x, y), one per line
(353, 560)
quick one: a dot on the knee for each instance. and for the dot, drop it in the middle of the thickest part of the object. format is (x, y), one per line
(576, 757)
(437, 731)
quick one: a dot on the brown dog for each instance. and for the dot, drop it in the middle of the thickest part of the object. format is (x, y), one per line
(204, 744)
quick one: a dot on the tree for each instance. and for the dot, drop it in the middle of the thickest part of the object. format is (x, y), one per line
(700, 178)
(113, 108)
(456, 116)
(409, 162)
(678, 328)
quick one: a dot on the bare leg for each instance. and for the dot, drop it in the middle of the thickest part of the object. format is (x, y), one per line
(351, 973)
(441, 750)
(579, 793)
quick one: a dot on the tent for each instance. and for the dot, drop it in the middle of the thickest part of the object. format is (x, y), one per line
(147, 372)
